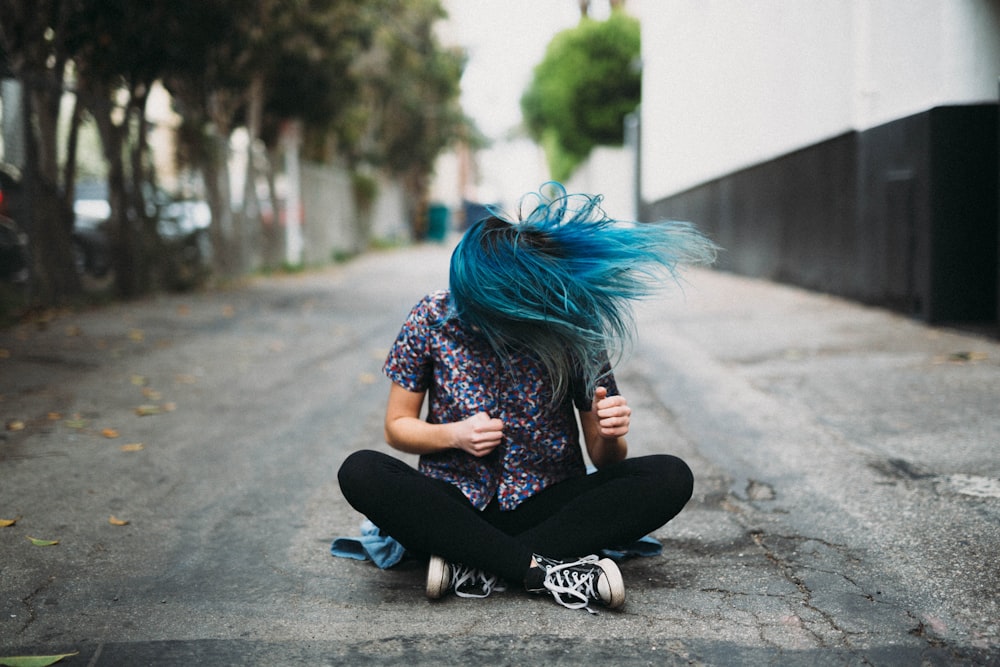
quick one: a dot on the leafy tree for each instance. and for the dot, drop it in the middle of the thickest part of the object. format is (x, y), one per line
(366, 78)
(309, 58)
(109, 53)
(408, 109)
(311, 79)
(120, 48)
(213, 80)
(582, 90)
(33, 35)
(259, 65)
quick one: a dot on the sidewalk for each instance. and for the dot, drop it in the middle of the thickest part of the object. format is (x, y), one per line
(846, 510)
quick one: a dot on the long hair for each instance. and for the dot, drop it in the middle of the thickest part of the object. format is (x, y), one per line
(559, 283)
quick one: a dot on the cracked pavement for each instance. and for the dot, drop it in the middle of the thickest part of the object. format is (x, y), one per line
(846, 509)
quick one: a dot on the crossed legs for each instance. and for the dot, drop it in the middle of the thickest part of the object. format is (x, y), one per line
(611, 507)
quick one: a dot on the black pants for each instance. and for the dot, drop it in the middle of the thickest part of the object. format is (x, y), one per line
(614, 506)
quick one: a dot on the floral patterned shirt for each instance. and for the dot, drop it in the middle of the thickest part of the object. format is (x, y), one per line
(462, 376)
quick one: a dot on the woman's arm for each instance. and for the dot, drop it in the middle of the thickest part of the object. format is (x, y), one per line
(605, 427)
(406, 431)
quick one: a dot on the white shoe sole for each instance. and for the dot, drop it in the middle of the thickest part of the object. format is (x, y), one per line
(438, 576)
(612, 591)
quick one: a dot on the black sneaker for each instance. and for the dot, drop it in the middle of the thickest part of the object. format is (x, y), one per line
(464, 581)
(574, 584)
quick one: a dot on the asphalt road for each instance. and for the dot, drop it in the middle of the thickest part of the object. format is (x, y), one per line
(846, 510)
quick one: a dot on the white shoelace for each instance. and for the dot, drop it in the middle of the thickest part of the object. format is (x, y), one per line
(564, 580)
(467, 576)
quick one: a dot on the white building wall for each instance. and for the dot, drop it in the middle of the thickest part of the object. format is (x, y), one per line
(388, 216)
(609, 172)
(728, 83)
(329, 224)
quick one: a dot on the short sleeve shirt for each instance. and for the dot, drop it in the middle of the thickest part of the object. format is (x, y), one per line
(462, 376)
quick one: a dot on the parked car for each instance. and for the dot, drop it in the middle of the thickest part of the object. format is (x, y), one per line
(91, 240)
(181, 218)
(181, 224)
(13, 252)
(14, 258)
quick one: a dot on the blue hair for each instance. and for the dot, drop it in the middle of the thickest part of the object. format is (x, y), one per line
(559, 282)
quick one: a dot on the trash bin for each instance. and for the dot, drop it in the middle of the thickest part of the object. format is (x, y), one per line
(473, 212)
(437, 222)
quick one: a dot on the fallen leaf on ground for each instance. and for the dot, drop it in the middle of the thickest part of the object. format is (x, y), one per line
(968, 356)
(7, 523)
(136, 335)
(151, 394)
(109, 433)
(15, 425)
(139, 380)
(42, 543)
(34, 660)
(76, 422)
(169, 406)
(133, 447)
(54, 416)
(146, 410)
(959, 358)
(115, 521)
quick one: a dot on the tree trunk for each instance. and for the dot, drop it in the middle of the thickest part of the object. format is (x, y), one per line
(124, 243)
(54, 277)
(251, 236)
(149, 260)
(220, 108)
(274, 247)
(72, 143)
(415, 185)
(216, 173)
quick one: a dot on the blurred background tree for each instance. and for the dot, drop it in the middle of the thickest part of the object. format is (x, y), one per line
(581, 92)
(408, 109)
(34, 44)
(366, 79)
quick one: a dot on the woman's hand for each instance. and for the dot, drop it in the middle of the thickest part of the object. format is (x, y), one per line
(613, 413)
(604, 428)
(478, 435)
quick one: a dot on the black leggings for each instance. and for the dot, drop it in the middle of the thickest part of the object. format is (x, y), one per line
(612, 507)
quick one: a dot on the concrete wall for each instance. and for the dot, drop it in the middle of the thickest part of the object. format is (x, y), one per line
(728, 84)
(903, 215)
(333, 226)
(848, 146)
(387, 219)
(609, 172)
